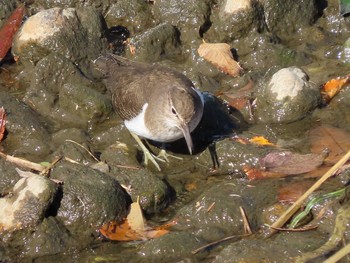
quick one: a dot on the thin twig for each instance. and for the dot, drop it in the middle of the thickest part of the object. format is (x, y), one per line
(210, 207)
(22, 162)
(82, 146)
(301, 229)
(246, 224)
(338, 255)
(292, 209)
(217, 242)
(49, 167)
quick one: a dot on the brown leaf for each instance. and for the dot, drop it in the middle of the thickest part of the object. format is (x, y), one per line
(133, 227)
(135, 217)
(333, 86)
(291, 163)
(2, 122)
(290, 192)
(9, 29)
(120, 231)
(220, 55)
(240, 98)
(256, 174)
(334, 139)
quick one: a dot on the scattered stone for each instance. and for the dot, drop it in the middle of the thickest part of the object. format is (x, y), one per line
(8, 177)
(135, 15)
(162, 41)
(26, 134)
(6, 8)
(191, 17)
(284, 18)
(89, 198)
(61, 94)
(287, 97)
(232, 20)
(74, 33)
(28, 203)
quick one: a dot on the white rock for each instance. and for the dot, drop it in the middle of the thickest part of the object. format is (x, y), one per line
(44, 24)
(288, 82)
(234, 6)
(27, 204)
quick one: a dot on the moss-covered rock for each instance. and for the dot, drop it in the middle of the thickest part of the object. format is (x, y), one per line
(27, 136)
(89, 198)
(61, 94)
(287, 97)
(76, 34)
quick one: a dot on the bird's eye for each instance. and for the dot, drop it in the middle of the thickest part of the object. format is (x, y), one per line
(173, 111)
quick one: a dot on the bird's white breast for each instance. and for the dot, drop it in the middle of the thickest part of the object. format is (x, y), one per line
(166, 134)
(137, 124)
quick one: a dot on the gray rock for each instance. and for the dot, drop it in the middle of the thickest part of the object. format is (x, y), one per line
(153, 192)
(6, 8)
(61, 94)
(50, 237)
(159, 42)
(74, 33)
(26, 207)
(284, 18)
(287, 97)
(27, 135)
(74, 134)
(136, 15)
(234, 21)
(89, 198)
(8, 177)
(190, 17)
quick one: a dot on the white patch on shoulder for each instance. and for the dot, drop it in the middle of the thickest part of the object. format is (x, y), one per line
(137, 124)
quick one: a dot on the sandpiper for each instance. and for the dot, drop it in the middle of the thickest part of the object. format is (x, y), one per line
(155, 102)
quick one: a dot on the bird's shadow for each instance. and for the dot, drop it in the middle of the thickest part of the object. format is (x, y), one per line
(219, 121)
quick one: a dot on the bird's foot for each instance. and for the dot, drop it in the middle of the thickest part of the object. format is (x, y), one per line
(148, 156)
(163, 155)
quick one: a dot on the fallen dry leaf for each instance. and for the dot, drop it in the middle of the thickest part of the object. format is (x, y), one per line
(290, 192)
(240, 98)
(256, 174)
(120, 231)
(260, 140)
(257, 140)
(133, 228)
(135, 217)
(9, 29)
(2, 123)
(290, 163)
(327, 137)
(332, 87)
(220, 55)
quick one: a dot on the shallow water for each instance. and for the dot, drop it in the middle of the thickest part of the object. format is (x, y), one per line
(322, 57)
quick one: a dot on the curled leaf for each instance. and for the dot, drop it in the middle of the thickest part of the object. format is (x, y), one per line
(220, 55)
(333, 86)
(2, 123)
(133, 228)
(335, 140)
(289, 163)
(262, 141)
(9, 29)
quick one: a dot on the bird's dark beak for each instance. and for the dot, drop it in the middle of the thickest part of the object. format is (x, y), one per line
(187, 135)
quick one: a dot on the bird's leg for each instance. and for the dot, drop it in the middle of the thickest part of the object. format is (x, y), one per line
(148, 155)
(163, 154)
